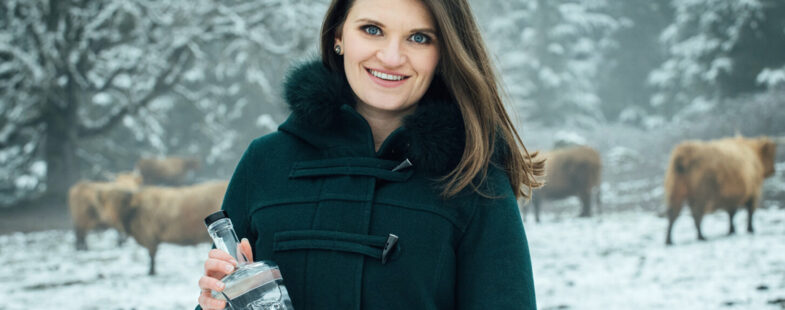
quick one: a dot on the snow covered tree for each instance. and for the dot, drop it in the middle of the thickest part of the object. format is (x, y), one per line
(623, 88)
(72, 70)
(717, 49)
(550, 54)
(225, 100)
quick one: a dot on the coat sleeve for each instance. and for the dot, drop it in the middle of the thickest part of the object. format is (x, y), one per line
(493, 261)
(235, 201)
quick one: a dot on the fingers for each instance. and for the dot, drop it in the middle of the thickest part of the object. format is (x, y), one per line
(220, 254)
(209, 283)
(217, 265)
(245, 248)
(217, 268)
(207, 302)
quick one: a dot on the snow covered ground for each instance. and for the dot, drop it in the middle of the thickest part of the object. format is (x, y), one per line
(617, 261)
(620, 261)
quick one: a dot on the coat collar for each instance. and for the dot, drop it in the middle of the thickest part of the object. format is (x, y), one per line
(322, 102)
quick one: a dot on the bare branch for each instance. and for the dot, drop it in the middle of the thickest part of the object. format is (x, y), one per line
(180, 59)
(32, 121)
(110, 79)
(12, 132)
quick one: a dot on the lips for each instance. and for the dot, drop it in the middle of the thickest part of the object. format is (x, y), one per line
(386, 78)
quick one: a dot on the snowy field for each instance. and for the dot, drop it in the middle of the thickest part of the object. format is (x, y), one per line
(620, 261)
(617, 261)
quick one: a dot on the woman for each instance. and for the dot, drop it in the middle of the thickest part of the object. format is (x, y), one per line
(399, 130)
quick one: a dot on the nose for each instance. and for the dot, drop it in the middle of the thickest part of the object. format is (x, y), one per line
(391, 54)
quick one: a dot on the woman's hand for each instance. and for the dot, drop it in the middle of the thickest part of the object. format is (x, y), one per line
(218, 265)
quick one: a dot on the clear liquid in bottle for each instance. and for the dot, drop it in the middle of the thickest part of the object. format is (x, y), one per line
(253, 285)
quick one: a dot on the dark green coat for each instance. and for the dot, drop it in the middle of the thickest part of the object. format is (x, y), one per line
(317, 199)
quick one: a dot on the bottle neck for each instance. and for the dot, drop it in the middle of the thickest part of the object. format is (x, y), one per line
(225, 239)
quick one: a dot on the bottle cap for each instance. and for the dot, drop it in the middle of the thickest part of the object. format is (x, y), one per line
(215, 216)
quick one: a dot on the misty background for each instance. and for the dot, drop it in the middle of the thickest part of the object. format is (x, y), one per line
(87, 88)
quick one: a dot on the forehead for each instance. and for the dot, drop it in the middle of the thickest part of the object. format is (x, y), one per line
(392, 13)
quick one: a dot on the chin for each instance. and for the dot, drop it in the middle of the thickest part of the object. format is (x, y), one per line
(385, 103)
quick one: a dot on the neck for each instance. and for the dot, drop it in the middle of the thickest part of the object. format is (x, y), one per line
(382, 123)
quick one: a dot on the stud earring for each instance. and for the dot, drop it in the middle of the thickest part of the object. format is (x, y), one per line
(338, 49)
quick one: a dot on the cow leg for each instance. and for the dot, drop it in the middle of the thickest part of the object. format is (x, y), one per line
(585, 204)
(152, 250)
(536, 202)
(121, 237)
(731, 213)
(598, 201)
(673, 213)
(697, 217)
(751, 204)
(81, 244)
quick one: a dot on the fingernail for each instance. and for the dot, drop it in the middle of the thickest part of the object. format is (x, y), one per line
(234, 262)
(221, 285)
(229, 268)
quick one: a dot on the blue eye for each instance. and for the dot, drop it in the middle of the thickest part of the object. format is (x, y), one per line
(420, 38)
(372, 30)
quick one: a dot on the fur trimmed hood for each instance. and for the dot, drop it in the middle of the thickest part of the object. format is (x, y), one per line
(323, 115)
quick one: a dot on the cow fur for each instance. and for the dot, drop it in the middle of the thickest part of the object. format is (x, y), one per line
(570, 171)
(717, 175)
(85, 207)
(170, 171)
(156, 214)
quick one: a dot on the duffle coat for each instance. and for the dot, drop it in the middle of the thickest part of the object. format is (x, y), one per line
(355, 228)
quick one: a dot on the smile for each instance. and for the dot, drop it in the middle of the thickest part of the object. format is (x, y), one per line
(387, 76)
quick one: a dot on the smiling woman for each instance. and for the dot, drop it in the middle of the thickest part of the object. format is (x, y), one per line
(393, 183)
(389, 57)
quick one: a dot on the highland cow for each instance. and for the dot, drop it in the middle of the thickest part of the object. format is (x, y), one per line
(170, 171)
(155, 215)
(85, 207)
(570, 171)
(717, 175)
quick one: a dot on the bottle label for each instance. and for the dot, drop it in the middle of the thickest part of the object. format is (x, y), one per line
(249, 283)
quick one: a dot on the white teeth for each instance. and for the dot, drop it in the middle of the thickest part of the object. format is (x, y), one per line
(385, 76)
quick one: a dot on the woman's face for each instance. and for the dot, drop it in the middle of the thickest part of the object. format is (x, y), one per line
(390, 54)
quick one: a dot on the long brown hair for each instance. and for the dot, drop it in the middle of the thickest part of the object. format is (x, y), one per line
(466, 70)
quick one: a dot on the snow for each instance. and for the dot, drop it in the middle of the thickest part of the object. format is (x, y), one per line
(771, 77)
(611, 261)
(266, 121)
(620, 261)
(26, 182)
(44, 270)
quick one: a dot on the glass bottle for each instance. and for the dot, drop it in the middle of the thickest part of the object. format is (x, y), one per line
(253, 285)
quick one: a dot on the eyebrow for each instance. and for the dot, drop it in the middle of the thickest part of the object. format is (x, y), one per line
(371, 21)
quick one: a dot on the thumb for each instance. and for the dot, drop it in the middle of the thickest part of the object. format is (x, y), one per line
(246, 251)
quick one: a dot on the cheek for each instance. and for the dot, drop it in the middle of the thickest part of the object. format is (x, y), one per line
(356, 49)
(426, 63)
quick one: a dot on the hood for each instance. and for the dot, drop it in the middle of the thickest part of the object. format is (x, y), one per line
(323, 115)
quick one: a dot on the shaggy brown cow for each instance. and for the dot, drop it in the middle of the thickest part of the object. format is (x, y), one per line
(570, 171)
(172, 171)
(85, 207)
(155, 215)
(717, 175)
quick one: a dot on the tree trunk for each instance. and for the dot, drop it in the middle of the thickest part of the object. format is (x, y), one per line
(60, 149)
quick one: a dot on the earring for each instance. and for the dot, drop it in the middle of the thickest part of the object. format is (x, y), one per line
(338, 49)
